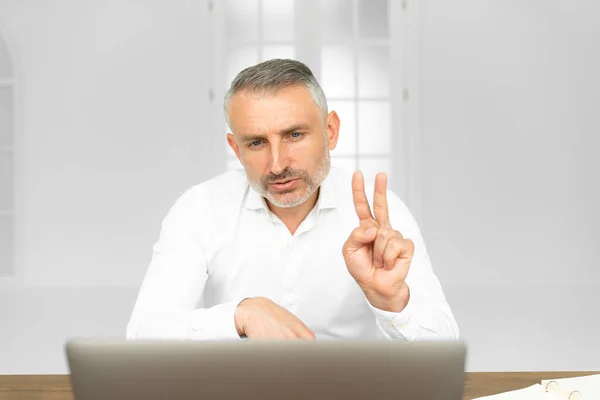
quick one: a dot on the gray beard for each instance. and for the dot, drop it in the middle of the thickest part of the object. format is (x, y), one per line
(312, 184)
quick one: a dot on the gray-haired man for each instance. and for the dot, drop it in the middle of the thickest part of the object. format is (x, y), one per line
(289, 247)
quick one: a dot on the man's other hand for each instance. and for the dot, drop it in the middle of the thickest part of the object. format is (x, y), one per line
(261, 318)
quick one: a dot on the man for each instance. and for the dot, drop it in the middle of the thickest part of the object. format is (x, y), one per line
(277, 251)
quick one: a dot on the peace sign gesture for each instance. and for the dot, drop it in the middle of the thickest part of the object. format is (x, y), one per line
(377, 256)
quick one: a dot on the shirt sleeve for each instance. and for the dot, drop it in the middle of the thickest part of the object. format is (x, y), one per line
(166, 306)
(428, 315)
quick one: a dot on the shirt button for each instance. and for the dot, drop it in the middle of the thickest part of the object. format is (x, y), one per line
(390, 324)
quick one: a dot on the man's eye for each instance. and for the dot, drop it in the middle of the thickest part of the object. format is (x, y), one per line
(296, 134)
(255, 143)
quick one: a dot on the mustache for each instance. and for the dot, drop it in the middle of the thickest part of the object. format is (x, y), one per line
(287, 174)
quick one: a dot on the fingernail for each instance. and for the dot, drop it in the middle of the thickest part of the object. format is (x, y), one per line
(369, 231)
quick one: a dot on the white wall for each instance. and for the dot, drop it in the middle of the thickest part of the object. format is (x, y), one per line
(111, 112)
(510, 178)
(112, 127)
(113, 109)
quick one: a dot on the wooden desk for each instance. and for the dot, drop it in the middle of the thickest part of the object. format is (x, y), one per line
(477, 384)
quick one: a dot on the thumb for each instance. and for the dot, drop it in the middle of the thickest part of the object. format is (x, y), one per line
(360, 237)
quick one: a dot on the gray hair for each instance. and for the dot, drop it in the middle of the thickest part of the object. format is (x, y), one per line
(270, 76)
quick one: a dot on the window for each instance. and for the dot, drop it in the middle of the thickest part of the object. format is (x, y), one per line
(355, 69)
(6, 163)
(346, 43)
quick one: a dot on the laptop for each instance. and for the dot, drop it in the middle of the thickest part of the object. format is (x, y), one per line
(261, 369)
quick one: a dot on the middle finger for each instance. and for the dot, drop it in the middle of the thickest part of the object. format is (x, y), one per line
(380, 204)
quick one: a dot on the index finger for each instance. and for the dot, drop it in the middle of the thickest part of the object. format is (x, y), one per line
(361, 204)
(380, 204)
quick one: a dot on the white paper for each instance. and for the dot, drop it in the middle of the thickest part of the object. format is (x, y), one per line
(588, 386)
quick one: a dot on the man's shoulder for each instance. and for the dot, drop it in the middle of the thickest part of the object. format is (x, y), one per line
(339, 179)
(222, 185)
(219, 192)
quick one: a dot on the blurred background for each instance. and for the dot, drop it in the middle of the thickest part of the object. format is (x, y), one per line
(483, 113)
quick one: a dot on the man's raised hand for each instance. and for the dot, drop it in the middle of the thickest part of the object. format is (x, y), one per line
(377, 256)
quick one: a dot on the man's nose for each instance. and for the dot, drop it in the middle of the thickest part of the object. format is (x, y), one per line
(279, 159)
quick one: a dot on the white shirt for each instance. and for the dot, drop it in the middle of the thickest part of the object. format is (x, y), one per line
(220, 244)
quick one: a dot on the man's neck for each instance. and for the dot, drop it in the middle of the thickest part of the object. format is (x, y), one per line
(293, 217)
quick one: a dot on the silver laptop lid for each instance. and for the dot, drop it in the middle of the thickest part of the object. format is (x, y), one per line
(254, 369)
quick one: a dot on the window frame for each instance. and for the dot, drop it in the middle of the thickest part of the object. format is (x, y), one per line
(9, 273)
(404, 82)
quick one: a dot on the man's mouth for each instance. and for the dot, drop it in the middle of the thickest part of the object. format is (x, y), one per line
(283, 184)
(284, 181)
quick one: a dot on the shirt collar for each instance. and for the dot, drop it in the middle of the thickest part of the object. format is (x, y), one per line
(255, 201)
(327, 194)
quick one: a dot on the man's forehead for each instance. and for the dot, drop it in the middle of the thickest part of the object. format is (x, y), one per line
(260, 108)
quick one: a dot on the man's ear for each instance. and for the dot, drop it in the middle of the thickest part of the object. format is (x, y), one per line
(333, 129)
(233, 144)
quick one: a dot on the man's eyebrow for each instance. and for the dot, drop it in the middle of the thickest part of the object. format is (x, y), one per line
(252, 137)
(294, 128)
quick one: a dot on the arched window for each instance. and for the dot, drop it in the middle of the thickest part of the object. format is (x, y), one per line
(7, 212)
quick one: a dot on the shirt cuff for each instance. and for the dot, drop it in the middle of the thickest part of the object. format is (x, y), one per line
(405, 324)
(217, 323)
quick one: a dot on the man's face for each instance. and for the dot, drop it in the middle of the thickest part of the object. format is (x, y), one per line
(283, 142)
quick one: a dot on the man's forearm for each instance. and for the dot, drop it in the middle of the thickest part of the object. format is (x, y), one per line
(215, 323)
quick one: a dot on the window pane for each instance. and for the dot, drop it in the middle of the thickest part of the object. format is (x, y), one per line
(347, 164)
(239, 59)
(373, 19)
(272, 51)
(347, 139)
(336, 17)
(233, 163)
(6, 180)
(374, 133)
(370, 167)
(278, 20)
(6, 116)
(6, 245)
(374, 71)
(243, 20)
(337, 71)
